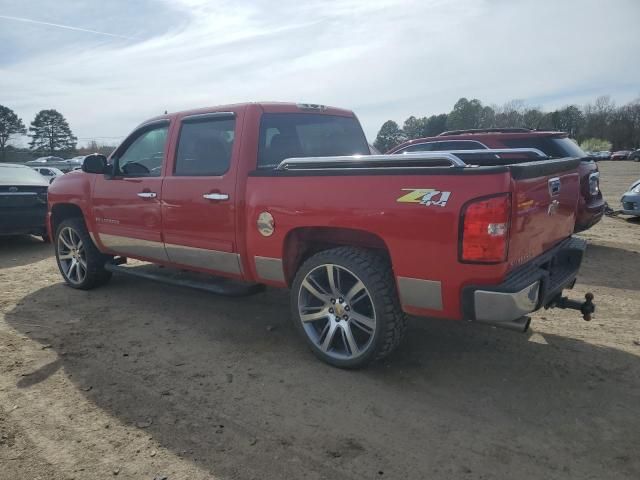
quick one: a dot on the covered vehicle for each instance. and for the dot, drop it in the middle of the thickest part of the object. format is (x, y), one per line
(631, 200)
(23, 201)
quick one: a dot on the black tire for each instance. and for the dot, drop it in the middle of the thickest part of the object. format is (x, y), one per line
(375, 272)
(95, 273)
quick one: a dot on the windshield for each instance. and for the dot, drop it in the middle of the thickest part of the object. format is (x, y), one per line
(290, 135)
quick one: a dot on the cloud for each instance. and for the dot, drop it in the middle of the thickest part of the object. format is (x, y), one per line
(65, 27)
(384, 59)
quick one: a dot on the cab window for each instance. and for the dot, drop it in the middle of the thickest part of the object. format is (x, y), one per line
(144, 155)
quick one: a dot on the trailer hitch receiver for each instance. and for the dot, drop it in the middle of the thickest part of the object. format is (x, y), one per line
(587, 308)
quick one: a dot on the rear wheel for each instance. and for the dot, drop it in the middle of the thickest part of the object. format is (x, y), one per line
(79, 260)
(344, 303)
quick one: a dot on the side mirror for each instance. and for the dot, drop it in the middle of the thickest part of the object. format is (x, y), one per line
(94, 163)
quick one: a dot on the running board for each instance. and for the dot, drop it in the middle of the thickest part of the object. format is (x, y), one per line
(182, 278)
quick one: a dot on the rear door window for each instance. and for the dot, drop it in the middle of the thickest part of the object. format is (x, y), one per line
(204, 147)
(290, 135)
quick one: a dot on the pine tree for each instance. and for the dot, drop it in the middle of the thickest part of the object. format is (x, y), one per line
(50, 133)
(10, 124)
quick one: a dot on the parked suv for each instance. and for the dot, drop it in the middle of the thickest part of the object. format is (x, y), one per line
(591, 204)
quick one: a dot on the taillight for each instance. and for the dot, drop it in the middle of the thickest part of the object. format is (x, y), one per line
(485, 229)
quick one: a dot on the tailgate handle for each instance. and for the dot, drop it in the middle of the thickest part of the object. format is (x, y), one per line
(554, 186)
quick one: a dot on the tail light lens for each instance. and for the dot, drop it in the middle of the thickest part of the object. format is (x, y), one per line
(485, 230)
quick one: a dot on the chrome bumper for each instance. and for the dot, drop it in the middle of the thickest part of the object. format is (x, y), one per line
(504, 307)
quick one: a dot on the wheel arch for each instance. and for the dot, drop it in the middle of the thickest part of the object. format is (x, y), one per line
(303, 242)
(63, 211)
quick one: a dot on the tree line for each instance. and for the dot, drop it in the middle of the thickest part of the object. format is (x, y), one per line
(600, 125)
(49, 132)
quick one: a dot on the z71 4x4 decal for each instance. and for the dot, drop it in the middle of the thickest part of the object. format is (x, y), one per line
(424, 196)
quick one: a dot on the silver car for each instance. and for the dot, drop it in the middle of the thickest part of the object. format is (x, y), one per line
(631, 200)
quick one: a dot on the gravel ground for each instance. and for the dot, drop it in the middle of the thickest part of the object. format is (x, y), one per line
(141, 380)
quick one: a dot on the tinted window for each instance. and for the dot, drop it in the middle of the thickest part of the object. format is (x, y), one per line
(288, 135)
(204, 147)
(555, 147)
(444, 145)
(144, 156)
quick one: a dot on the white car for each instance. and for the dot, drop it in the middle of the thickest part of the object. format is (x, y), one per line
(51, 173)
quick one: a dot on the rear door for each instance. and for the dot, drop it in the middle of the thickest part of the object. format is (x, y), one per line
(126, 205)
(199, 194)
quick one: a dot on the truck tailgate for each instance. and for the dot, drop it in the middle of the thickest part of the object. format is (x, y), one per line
(545, 195)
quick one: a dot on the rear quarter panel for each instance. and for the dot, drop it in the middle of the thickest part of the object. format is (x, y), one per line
(421, 240)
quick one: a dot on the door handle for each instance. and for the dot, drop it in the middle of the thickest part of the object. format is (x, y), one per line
(216, 196)
(147, 195)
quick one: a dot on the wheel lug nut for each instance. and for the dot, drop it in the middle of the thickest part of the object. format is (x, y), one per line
(331, 310)
(333, 300)
(347, 308)
(341, 300)
(346, 317)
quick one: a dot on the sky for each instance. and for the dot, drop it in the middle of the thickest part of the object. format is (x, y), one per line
(109, 65)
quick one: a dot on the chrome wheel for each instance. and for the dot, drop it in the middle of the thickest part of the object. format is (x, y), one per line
(72, 256)
(337, 311)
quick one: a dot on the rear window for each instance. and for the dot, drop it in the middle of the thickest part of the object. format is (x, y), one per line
(443, 145)
(555, 147)
(289, 135)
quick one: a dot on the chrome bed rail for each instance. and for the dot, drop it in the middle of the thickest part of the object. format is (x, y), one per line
(449, 158)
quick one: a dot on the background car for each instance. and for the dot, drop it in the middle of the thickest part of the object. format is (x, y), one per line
(635, 155)
(591, 204)
(620, 155)
(603, 155)
(631, 200)
(23, 201)
(49, 173)
(51, 161)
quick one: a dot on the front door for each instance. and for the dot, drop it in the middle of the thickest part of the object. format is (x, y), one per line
(198, 196)
(126, 205)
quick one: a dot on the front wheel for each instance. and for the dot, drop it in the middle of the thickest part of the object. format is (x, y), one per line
(79, 260)
(344, 303)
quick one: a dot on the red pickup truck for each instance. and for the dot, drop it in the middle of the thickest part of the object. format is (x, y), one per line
(272, 193)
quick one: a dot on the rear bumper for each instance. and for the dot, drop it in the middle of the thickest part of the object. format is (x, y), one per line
(589, 215)
(528, 288)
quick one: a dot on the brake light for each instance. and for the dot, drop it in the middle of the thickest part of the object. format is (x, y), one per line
(485, 230)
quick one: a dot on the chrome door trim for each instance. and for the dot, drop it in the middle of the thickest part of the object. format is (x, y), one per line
(203, 258)
(134, 247)
(420, 293)
(269, 268)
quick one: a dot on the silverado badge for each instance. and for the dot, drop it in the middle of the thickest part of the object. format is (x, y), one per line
(424, 196)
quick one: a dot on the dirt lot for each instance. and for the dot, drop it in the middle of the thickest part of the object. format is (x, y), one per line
(140, 380)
